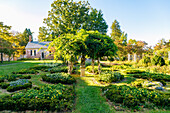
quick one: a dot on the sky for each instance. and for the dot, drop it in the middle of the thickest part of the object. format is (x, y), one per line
(145, 20)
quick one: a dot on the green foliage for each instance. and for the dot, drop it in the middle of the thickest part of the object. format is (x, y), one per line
(96, 22)
(59, 69)
(89, 69)
(40, 67)
(158, 60)
(26, 71)
(4, 85)
(146, 60)
(49, 97)
(134, 71)
(134, 98)
(153, 76)
(59, 78)
(19, 87)
(25, 37)
(111, 77)
(116, 31)
(65, 17)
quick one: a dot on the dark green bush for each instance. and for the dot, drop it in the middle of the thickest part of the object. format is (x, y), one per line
(163, 82)
(25, 77)
(19, 87)
(158, 60)
(134, 71)
(59, 69)
(133, 97)
(59, 78)
(4, 85)
(111, 76)
(26, 71)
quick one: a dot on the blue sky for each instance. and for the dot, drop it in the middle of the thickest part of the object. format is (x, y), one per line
(146, 20)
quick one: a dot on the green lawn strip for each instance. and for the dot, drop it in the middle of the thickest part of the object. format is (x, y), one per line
(8, 69)
(89, 99)
(11, 62)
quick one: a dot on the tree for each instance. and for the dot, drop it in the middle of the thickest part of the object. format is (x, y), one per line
(25, 37)
(96, 22)
(116, 31)
(4, 35)
(65, 17)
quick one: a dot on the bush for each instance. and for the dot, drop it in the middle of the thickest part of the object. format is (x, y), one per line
(26, 71)
(134, 71)
(163, 82)
(89, 69)
(111, 76)
(59, 78)
(158, 60)
(146, 60)
(25, 77)
(40, 67)
(59, 69)
(49, 97)
(19, 87)
(133, 97)
(4, 85)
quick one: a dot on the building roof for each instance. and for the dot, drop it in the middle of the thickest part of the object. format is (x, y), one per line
(37, 45)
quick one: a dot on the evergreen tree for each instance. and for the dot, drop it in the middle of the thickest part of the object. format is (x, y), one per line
(116, 31)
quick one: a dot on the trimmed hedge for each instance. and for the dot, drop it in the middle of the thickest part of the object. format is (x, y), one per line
(26, 71)
(49, 97)
(19, 87)
(111, 77)
(136, 98)
(59, 78)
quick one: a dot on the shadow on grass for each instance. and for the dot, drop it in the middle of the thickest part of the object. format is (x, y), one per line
(89, 97)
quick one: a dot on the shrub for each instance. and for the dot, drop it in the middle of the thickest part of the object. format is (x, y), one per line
(19, 87)
(158, 60)
(163, 82)
(49, 97)
(25, 77)
(40, 67)
(111, 76)
(133, 97)
(89, 69)
(59, 78)
(26, 71)
(146, 60)
(19, 82)
(59, 69)
(4, 85)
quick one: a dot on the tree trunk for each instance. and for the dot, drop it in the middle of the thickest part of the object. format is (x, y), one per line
(70, 67)
(9, 58)
(93, 66)
(99, 70)
(82, 66)
(1, 57)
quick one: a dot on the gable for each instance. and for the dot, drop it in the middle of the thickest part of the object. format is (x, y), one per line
(37, 45)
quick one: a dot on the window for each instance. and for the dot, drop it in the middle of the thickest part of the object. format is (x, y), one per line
(31, 52)
(34, 52)
(49, 53)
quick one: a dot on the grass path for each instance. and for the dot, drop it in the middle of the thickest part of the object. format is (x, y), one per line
(89, 99)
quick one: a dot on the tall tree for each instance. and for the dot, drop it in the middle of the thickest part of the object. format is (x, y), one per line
(65, 17)
(4, 35)
(96, 22)
(25, 37)
(116, 31)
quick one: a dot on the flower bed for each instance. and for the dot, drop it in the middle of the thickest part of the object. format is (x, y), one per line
(59, 69)
(16, 85)
(49, 97)
(136, 98)
(26, 71)
(13, 77)
(111, 77)
(59, 78)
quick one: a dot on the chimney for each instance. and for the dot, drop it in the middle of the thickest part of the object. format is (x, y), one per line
(30, 38)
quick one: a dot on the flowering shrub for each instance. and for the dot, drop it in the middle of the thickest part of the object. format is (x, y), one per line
(59, 78)
(111, 76)
(19, 82)
(133, 97)
(49, 97)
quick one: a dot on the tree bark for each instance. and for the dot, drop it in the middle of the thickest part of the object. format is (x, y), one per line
(1, 57)
(93, 66)
(69, 67)
(99, 70)
(82, 66)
